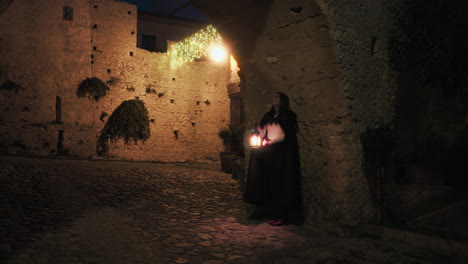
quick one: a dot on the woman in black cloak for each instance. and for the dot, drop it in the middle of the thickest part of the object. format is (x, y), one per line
(274, 174)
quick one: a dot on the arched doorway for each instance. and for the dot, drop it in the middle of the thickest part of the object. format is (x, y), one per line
(287, 47)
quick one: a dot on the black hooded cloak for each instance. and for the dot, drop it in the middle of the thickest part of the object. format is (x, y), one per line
(273, 176)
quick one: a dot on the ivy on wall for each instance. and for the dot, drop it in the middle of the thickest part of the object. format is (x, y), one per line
(129, 121)
(93, 87)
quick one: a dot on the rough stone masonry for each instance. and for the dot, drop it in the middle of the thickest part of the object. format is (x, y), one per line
(48, 56)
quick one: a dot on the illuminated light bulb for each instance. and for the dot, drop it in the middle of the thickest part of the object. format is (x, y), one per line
(217, 53)
(197, 46)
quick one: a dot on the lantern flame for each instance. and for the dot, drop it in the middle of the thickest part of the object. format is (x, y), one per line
(255, 141)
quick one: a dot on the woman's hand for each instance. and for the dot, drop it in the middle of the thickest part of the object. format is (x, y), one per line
(266, 142)
(260, 130)
(275, 133)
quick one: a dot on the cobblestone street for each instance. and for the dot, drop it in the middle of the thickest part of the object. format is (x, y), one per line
(78, 211)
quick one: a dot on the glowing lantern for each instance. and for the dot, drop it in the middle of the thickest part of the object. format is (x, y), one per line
(255, 140)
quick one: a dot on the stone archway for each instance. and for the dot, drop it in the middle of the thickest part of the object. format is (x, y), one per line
(286, 46)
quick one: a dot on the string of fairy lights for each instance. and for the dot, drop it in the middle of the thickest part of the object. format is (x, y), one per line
(195, 46)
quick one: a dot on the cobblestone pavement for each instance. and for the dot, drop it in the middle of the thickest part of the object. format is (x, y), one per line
(78, 211)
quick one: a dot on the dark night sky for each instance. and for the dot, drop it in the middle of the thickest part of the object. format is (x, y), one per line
(166, 6)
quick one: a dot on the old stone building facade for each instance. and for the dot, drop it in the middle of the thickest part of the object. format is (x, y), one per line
(154, 30)
(331, 57)
(47, 55)
(310, 50)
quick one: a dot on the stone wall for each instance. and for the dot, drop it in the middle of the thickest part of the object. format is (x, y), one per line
(49, 57)
(303, 63)
(36, 54)
(360, 31)
(330, 58)
(165, 28)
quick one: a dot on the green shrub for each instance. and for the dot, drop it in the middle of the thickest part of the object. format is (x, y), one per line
(236, 140)
(233, 138)
(92, 86)
(225, 134)
(129, 121)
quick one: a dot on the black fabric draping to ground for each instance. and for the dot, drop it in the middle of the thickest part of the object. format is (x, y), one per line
(273, 178)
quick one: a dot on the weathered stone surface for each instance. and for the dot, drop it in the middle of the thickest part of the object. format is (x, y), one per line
(232, 257)
(181, 260)
(177, 250)
(218, 255)
(97, 228)
(272, 59)
(337, 86)
(53, 66)
(204, 236)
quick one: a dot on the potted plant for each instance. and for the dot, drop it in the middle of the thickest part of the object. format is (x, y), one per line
(236, 139)
(232, 139)
(226, 155)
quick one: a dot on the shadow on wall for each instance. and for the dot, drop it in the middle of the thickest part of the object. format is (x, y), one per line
(377, 144)
(4, 4)
(428, 50)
